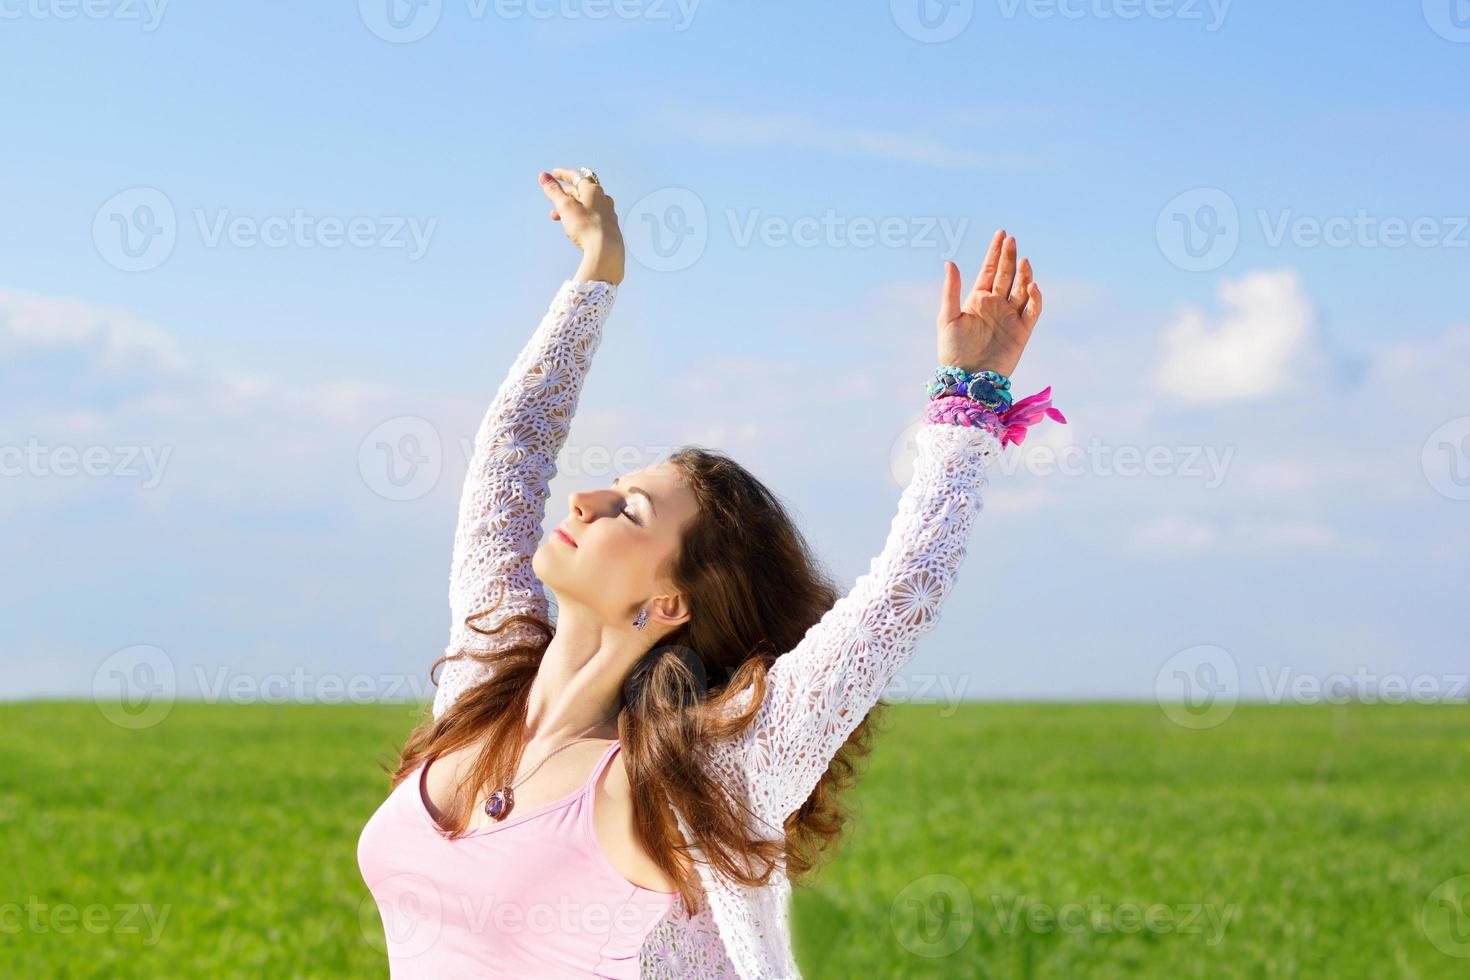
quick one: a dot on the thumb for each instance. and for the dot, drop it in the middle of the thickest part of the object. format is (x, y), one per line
(949, 296)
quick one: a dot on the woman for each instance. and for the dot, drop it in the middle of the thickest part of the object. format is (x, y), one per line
(631, 791)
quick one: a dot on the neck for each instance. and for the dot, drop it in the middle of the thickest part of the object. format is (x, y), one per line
(580, 680)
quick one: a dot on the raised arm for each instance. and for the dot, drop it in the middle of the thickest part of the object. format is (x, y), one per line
(819, 692)
(503, 500)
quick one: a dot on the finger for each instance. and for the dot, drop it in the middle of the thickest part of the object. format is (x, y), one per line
(1005, 273)
(992, 259)
(1019, 295)
(949, 295)
(571, 177)
(554, 215)
(1032, 311)
(553, 190)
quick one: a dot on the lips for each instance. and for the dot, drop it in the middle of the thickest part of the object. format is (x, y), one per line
(565, 537)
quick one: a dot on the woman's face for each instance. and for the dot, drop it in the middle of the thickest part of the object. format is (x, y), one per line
(624, 538)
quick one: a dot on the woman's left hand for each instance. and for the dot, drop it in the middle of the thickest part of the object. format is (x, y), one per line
(990, 330)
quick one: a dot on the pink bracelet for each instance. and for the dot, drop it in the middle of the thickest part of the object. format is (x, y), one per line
(1008, 426)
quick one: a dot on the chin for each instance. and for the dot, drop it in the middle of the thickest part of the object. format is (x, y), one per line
(545, 565)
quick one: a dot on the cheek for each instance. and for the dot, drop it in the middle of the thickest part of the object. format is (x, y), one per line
(631, 557)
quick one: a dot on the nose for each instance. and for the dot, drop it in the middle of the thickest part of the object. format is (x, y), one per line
(588, 505)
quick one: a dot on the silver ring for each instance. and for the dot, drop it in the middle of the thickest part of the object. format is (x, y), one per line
(586, 175)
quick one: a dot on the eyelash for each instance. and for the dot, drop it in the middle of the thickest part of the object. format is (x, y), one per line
(629, 515)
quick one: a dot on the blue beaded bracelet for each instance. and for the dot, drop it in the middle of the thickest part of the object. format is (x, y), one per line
(990, 388)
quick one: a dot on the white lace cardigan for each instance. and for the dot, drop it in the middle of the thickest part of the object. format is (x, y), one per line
(818, 692)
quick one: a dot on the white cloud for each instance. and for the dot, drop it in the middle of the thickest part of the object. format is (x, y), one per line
(1268, 339)
(115, 341)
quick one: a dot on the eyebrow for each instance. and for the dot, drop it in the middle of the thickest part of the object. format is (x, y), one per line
(639, 490)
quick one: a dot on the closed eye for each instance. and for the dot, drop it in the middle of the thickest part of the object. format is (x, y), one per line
(629, 515)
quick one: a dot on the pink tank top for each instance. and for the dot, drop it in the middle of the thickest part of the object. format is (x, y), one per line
(531, 896)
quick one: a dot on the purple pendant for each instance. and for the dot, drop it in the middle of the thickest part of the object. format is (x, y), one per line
(499, 803)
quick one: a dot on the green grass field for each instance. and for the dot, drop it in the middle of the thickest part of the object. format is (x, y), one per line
(997, 841)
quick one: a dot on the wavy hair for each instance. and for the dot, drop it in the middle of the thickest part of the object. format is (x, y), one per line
(754, 589)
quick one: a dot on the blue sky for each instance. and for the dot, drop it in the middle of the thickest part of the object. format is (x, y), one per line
(1310, 334)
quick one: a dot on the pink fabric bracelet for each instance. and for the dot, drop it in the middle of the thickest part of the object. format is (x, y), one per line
(1008, 426)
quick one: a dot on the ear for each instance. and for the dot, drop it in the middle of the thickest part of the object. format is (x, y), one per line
(669, 610)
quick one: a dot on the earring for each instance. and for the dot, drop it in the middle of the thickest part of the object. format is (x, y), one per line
(642, 619)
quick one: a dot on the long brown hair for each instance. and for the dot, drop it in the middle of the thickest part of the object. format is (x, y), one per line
(754, 589)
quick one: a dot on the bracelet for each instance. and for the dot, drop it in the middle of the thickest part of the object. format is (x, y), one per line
(1008, 423)
(987, 387)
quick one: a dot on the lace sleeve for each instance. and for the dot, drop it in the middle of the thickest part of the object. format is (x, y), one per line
(820, 691)
(504, 497)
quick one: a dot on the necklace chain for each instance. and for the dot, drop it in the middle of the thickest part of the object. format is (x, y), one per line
(500, 802)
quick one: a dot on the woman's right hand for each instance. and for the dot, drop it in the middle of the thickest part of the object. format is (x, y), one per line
(990, 329)
(588, 218)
